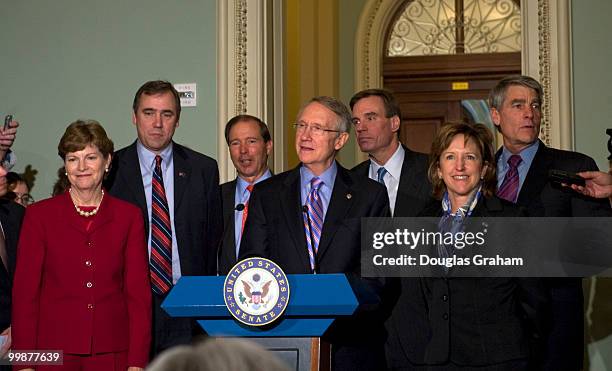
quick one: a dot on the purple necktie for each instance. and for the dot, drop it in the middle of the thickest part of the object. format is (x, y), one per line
(316, 216)
(509, 187)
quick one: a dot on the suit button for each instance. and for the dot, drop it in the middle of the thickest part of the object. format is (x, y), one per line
(444, 297)
(89, 285)
(89, 306)
(445, 316)
(88, 263)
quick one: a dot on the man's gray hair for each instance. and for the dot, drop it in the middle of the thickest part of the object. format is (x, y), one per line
(498, 93)
(342, 112)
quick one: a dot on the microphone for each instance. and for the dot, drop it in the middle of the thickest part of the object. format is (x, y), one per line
(239, 207)
(305, 210)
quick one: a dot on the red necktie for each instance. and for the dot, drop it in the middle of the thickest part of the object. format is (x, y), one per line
(245, 212)
(161, 234)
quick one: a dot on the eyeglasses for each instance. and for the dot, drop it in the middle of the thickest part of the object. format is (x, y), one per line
(26, 199)
(315, 130)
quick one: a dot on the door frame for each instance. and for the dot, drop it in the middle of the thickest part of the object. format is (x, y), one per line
(545, 55)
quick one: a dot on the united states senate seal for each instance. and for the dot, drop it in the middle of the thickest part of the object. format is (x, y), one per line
(256, 291)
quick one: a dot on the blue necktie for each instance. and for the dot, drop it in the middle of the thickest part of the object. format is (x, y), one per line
(381, 175)
(315, 214)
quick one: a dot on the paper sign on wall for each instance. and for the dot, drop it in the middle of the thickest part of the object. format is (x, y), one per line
(187, 93)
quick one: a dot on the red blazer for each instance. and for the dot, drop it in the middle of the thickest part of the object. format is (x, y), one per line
(84, 292)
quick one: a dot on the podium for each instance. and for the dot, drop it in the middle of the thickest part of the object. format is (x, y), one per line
(315, 301)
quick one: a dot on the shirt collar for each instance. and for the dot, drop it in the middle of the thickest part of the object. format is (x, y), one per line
(242, 184)
(328, 176)
(148, 157)
(527, 155)
(393, 165)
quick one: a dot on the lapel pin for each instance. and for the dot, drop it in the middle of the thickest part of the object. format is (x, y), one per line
(182, 174)
(349, 196)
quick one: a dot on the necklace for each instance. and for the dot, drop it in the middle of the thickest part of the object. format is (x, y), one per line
(86, 213)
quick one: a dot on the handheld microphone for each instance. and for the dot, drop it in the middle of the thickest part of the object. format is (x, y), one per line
(239, 207)
(305, 210)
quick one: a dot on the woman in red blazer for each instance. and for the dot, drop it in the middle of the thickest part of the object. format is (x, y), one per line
(82, 279)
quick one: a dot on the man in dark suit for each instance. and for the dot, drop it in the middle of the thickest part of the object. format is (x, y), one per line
(11, 215)
(522, 170)
(250, 144)
(377, 120)
(191, 208)
(308, 220)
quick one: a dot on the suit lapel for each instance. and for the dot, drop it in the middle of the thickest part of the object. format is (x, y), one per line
(485, 206)
(408, 184)
(104, 215)
(339, 205)
(363, 169)
(130, 172)
(228, 194)
(72, 218)
(292, 211)
(76, 222)
(537, 176)
(182, 172)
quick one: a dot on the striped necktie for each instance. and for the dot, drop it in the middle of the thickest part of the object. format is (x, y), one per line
(161, 234)
(509, 187)
(313, 222)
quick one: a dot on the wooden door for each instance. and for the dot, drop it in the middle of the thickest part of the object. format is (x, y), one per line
(430, 89)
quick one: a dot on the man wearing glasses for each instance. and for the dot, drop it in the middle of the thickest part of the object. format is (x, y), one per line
(308, 220)
(377, 120)
(18, 190)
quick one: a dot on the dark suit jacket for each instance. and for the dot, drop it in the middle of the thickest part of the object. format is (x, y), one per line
(197, 220)
(475, 321)
(53, 305)
(227, 250)
(542, 198)
(413, 194)
(275, 230)
(11, 214)
(414, 191)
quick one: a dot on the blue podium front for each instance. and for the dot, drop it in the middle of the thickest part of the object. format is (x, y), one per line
(315, 301)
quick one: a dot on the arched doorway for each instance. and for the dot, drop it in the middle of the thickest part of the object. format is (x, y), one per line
(545, 55)
(441, 58)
